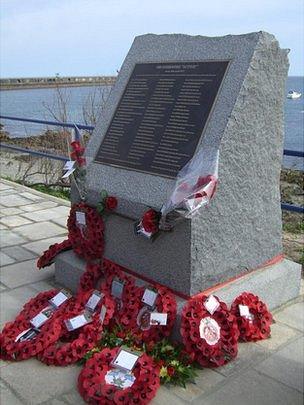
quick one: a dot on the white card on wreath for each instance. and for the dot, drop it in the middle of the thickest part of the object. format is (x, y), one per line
(244, 311)
(68, 173)
(125, 360)
(158, 318)
(69, 164)
(39, 320)
(149, 297)
(211, 304)
(59, 298)
(80, 218)
(77, 322)
(93, 300)
(117, 288)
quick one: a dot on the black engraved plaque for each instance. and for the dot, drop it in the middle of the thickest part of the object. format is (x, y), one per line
(161, 116)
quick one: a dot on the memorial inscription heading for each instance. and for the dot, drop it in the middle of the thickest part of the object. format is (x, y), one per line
(161, 116)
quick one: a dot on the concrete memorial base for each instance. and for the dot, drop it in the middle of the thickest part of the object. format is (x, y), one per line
(275, 283)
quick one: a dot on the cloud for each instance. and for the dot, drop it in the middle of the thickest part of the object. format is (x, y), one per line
(93, 37)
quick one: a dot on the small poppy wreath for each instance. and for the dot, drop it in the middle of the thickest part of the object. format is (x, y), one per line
(165, 303)
(93, 388)
(70, 347)
(48, 256)
(129, 301)
(256, 321)
(212, 338)
(87, 240)
(49, 332)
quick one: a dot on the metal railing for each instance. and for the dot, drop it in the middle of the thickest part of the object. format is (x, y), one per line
(287, 152)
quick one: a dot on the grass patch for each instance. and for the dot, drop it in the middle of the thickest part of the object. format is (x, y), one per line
(55, 191)
(59, 192)
(293, 227)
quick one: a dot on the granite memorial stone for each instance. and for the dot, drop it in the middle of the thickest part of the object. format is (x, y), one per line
(176, 95)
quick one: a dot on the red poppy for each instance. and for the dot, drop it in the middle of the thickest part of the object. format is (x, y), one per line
(170, 371)
(110, 203)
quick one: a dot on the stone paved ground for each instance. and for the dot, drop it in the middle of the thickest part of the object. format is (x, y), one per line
(268, 372)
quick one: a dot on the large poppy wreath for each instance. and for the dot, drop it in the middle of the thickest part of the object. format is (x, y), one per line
(72, 346)
(94, 389)
(139, 323)
(253, 317)
(49, 332)
(87, 239)
(211, 337)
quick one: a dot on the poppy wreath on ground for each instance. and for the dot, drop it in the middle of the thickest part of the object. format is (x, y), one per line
(128, 305)
(253, 317)
(49, 332)
(89, 278)
(212, 338)
(87, 240)
(94, 389)
(47, 258)
(139, 324)
(71, 346)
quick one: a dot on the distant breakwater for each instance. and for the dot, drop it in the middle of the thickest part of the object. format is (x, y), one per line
(57, 81)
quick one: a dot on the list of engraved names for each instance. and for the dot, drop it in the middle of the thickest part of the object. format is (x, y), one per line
(161, 116)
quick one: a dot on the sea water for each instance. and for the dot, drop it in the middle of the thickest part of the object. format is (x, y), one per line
(43, 104)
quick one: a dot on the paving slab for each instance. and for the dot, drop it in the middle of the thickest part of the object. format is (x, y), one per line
(73, 398)
(36, 383)
(165, 396)
(205, 381)
(10, 238)
(5, 259)
(14, 200)
(7, 397)
(41, 230)
(47, 214)
(4, 186)
(62, 221)
(251, 388)
(15, 220)
(248, 354)
(40, 246)
(292, 315)
(18, 253)
(280, 335)
(31, 196)
(2, 227)
(286, 365)
(9, 211)
(39, 206)
(15, 275)
(12, 301)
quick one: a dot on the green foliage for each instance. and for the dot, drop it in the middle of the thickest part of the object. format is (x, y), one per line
(100, 208)
(174, 363)
(103, 194)
(59, 192)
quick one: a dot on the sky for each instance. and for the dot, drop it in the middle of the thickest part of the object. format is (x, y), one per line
(92, 37)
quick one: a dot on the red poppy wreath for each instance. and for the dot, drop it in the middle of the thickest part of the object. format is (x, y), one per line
(16, 347)
(142, 325)
(253, 317)
(71, 346)
(48, 256)
(212, 335)
(86, 231)
(126, 302)
(94, 386)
